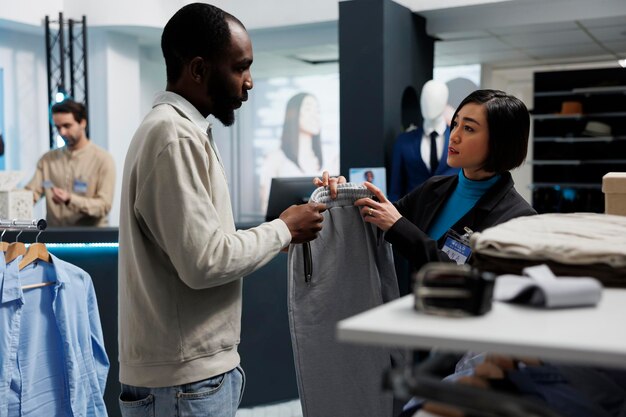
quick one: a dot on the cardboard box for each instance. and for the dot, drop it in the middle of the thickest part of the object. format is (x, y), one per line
(614, 189)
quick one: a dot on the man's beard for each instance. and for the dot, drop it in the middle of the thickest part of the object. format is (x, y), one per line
(70, 141)
(223, 103)
(224, 115)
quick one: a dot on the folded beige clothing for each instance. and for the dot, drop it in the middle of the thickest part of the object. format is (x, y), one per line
(568, 238)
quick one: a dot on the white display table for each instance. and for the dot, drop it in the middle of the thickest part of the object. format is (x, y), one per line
(591, 336)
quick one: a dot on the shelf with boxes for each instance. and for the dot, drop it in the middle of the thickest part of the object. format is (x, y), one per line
(579, 126)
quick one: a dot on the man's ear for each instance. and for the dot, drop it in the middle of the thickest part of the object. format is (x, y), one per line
(199, 69)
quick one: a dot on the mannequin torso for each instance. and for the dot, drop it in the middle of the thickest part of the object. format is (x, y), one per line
(433, 102)
(411, 155)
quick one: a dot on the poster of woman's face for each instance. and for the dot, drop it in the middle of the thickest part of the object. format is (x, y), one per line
(310, 115)
(295, 129)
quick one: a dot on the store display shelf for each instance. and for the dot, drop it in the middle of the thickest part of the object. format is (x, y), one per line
(575, 161)
(540, 117)
(578, 139)
(558, 185)
(586, 91)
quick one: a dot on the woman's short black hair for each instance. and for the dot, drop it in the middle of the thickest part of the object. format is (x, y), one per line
(509, 126)
(70, 106)
(197, 29)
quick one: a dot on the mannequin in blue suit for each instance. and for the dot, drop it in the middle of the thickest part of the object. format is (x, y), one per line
(411, 152)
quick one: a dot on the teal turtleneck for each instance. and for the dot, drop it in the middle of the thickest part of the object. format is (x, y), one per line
(464, 197)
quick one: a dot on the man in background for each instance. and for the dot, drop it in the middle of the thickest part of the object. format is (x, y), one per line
(77, 180)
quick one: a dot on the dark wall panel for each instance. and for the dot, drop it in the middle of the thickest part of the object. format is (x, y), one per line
(383, 49)
(361, 56)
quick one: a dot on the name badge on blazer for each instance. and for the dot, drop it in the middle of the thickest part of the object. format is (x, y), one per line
(80, 187)
(457, 247)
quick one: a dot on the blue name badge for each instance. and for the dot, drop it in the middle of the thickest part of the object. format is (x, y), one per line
(80, 187)
(456, 250)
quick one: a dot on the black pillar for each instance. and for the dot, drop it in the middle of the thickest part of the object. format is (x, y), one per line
(383, 48)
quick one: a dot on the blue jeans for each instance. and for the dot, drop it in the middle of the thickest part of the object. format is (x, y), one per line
(214, 397)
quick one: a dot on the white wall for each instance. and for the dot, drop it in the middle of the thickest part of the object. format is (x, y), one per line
(152, 77)
(22, 57)
(25, 87)
(29, 12)
(115, 97)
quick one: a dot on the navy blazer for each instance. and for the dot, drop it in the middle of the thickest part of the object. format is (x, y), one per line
(408, 169)
(420, 207)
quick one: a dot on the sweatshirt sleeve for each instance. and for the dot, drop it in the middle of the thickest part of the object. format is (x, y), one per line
(177, 212)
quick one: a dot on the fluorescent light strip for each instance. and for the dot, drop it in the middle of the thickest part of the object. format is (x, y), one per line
(82, 245)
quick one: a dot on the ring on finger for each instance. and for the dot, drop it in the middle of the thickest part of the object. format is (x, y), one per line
(370, 211)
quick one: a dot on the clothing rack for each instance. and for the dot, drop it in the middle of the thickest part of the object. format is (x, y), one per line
(21, 225)
(17, 224)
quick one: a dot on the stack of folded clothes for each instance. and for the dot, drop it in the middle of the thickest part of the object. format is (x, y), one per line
(571, 244)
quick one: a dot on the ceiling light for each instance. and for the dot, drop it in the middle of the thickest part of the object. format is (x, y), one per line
(622, 62)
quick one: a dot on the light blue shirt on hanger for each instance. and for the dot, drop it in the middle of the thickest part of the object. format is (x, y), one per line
(52, 353)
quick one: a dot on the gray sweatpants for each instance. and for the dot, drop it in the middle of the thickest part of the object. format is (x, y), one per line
(353, 271)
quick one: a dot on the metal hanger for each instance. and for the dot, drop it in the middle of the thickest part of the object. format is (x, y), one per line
(3, 245)
(15, 249)
(36, 252)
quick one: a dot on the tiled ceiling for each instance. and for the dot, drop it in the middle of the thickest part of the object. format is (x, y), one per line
(587, 40)
(529, 32)
(502, 34)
